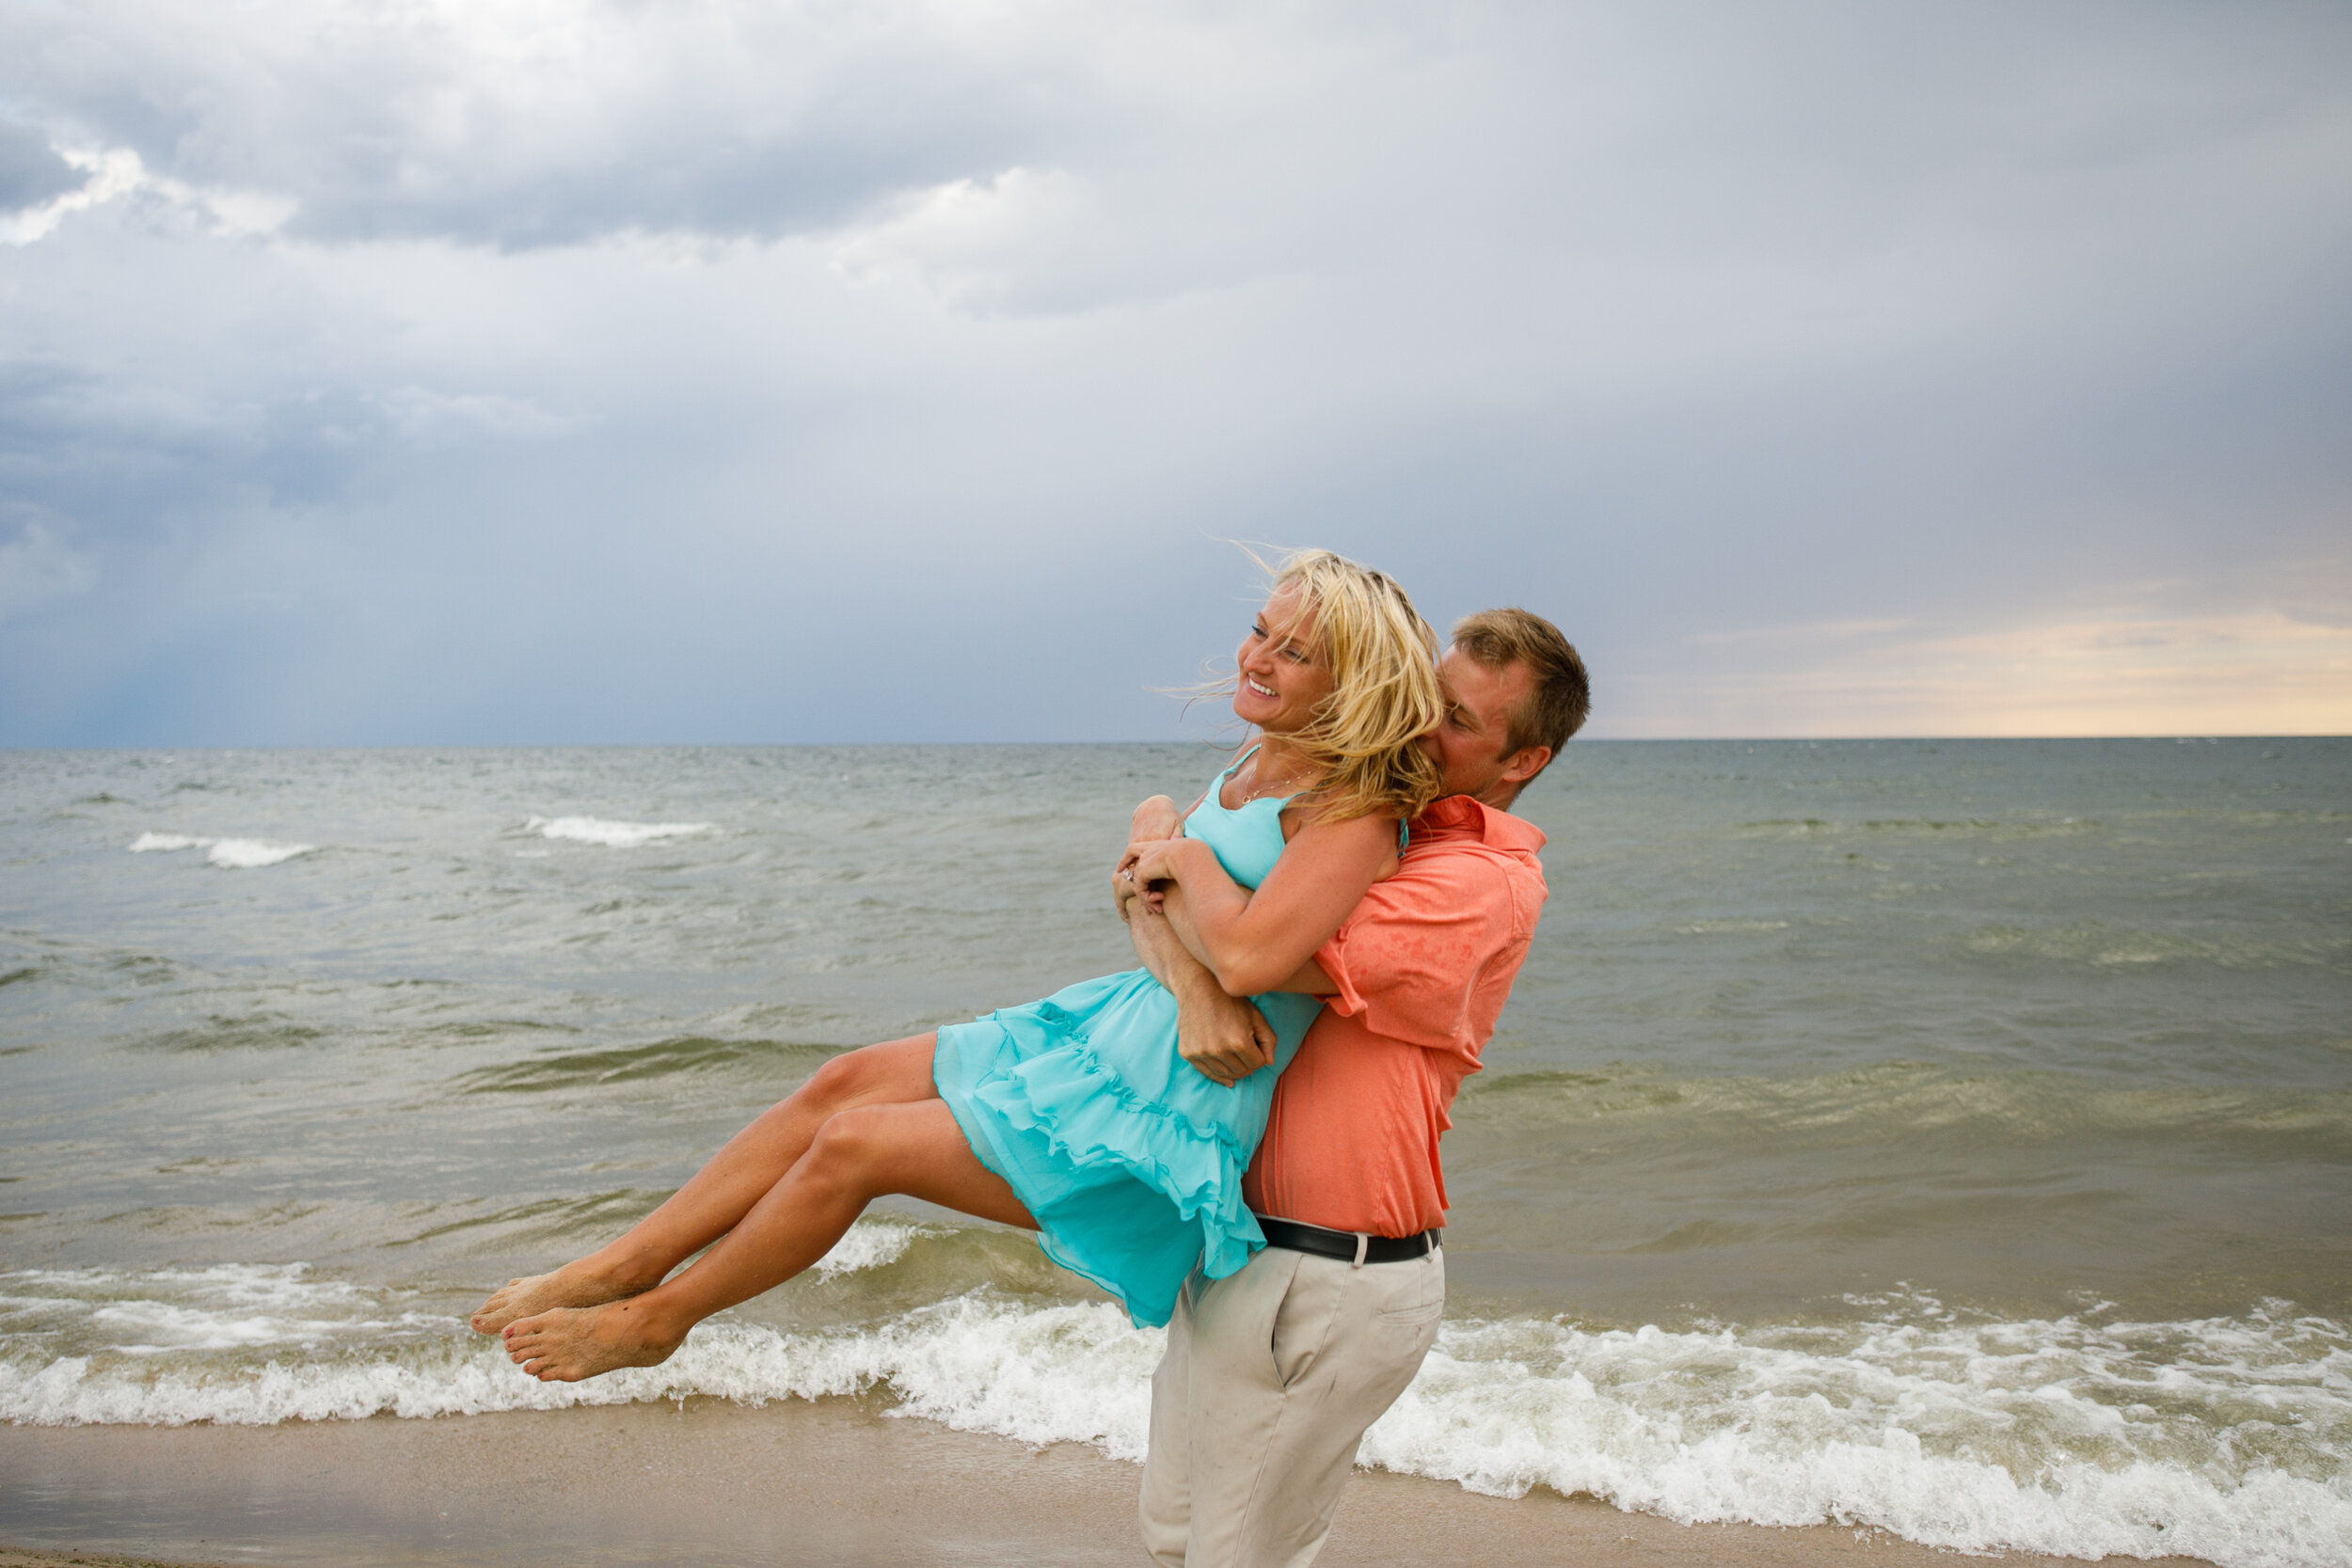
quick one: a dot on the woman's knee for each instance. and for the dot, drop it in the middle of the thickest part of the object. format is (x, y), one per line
(834, 1084)
(854, 1147)
(870, 1074)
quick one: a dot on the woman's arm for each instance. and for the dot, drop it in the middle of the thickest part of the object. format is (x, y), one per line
(1255, 941)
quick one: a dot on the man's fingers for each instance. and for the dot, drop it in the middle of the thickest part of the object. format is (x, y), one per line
(1211, 1068)
(1227, 1064)
(1262, 1035)
(1237, 1061)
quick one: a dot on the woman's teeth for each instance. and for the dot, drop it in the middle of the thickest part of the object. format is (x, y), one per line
(1261, 690)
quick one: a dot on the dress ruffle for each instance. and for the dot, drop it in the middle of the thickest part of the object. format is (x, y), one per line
(1129, 1161)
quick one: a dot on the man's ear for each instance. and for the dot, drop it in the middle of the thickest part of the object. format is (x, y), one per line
(1525, 764)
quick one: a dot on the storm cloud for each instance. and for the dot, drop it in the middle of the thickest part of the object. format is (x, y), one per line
(509, 373)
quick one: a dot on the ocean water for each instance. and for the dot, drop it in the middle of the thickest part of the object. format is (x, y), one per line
(1951, 1137)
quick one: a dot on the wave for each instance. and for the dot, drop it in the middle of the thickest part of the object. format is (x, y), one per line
(226, 1032)
(2226, 1439)
(1906, 1097)
(1996, 828)
(625, 1064)
(2098, 945)
(615, 836)
(874, 1242)
(2223, 1438)
(230, 854)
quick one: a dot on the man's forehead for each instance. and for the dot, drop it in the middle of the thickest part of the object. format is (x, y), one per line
(1467, 680)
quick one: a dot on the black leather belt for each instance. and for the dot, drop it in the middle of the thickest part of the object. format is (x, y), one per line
(1348, 1246)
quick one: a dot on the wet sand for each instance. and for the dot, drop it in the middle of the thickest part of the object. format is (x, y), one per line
(828, 1484)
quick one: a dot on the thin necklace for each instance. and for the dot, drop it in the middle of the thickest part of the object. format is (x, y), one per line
(1254, 793)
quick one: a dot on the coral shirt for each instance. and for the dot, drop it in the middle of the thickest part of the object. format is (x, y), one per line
(1423, 967)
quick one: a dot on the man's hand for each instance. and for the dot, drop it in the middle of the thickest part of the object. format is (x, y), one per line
(1225, 1038)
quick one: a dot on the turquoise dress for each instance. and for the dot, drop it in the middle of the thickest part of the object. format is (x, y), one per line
(1128, 1157)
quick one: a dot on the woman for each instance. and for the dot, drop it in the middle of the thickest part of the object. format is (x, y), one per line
(1074, 1117)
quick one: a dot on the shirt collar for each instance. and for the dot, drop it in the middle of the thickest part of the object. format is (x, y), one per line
(1458, 815)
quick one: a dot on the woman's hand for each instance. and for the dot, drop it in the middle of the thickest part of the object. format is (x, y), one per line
(1126, 890)
(1153, 865)
(1154, 821)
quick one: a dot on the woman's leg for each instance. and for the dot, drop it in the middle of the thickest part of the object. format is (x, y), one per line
(911, 1147)
(724, 1190)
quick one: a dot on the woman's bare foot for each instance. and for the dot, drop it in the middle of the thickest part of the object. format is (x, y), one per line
(575, 1284)
(570, 1343)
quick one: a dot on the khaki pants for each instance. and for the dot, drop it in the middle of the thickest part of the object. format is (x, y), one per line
(1270, 1378)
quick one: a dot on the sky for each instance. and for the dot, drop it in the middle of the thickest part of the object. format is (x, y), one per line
(512, 371)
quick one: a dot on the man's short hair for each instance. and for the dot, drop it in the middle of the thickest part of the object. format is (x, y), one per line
(1559, 696)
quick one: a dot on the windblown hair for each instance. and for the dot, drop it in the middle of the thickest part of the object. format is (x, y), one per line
(1558, 694)
(1365, 737)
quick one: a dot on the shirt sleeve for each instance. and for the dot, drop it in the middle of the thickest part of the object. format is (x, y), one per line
(1408, 962)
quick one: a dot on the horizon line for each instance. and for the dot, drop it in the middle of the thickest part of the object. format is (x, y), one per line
(2182, 739)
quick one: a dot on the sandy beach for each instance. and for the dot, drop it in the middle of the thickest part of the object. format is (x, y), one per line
(707, 1481)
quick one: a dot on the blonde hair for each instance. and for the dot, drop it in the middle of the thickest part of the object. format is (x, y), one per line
(1365, 735)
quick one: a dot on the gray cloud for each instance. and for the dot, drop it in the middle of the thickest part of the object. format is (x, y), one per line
(31, 171)
(519, 128)
(774, 372)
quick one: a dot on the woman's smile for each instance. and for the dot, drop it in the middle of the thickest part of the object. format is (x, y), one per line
(1282, 678)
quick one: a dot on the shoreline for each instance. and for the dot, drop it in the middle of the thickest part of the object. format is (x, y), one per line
(832, 1482)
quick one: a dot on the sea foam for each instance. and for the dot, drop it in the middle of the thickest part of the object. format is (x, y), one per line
(872, 1243)
(615, 836)
(2224, 1439)
(230, 854)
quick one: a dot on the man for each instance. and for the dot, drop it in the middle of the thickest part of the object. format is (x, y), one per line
(1272, 1374)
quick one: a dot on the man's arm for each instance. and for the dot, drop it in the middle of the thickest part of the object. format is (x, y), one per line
(1224, 1037)
(1427, 959)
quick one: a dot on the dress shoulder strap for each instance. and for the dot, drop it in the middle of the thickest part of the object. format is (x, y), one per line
(1216, 793)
